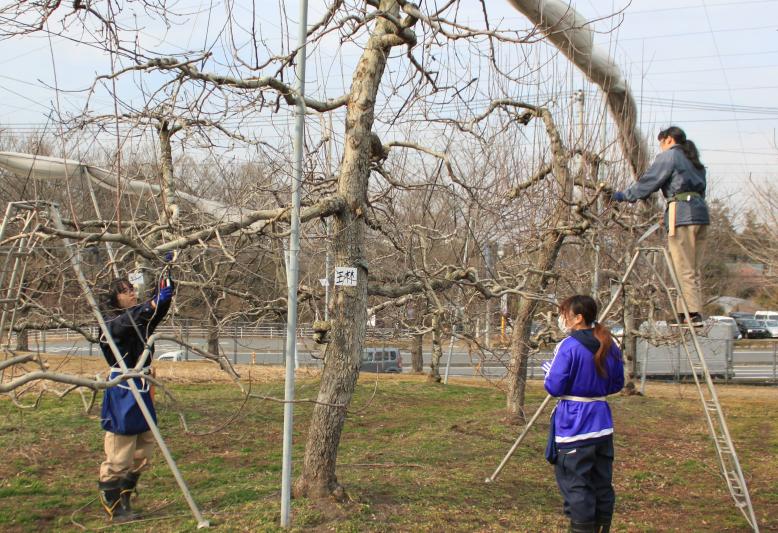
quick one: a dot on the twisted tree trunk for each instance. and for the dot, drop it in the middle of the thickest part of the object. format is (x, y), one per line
(543, 261)
(437, 350)
(417, 353)
(349, 304)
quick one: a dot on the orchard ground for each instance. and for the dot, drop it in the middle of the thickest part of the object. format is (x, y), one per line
(413, 457)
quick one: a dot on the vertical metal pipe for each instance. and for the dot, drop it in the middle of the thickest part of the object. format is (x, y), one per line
(488, 317)
(294, 250)
(450, 351)
(327, 268)
(235, 344)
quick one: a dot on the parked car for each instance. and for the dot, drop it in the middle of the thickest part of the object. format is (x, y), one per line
(766, 315)
(382, 360)
(617, 330)
(729, 322)
(739, 314)
(752, 329)
(176, 355)
(772, 327)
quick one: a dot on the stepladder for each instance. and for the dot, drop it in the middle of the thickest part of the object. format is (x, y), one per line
(713, 414)
(18, 239)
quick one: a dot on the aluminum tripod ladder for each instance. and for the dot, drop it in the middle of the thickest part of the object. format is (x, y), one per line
(711, 407)
(22, 219)
(39, 214)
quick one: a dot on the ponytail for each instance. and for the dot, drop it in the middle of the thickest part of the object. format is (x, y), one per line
(602, 334)
(688, 147)
(585, 306)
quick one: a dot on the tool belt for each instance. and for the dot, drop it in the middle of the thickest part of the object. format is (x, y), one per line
(680, 197)
(684, 196)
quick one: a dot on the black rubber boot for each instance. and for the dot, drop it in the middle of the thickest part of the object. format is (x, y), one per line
(111, 500)
(127, 486)
(582, 527)
(602, 526)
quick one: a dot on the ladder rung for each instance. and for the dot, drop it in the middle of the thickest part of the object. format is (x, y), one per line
(732, 476)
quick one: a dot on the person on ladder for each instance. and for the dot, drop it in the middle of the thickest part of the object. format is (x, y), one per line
(129, 442)
(587, 366)
(680, 174)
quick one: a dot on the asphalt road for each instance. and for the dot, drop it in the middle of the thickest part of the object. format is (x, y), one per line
(748, 364)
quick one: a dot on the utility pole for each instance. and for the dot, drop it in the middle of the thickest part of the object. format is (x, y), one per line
(579, 96)
(293, 269)
(600, 179)
(488, 325)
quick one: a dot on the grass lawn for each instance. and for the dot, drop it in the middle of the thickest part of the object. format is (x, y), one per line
(413, 457)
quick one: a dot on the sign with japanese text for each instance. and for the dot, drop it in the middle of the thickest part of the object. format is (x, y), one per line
(346, 276)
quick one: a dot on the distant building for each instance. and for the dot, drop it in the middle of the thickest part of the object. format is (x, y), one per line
(731, 304)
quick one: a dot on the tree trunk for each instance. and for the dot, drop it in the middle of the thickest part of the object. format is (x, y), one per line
(437, 350)
(168, 185)
(213, 334)
(349, 304)
(522, 329)
(417, 353)
(544, 261)
(23, 340)
(630, 343)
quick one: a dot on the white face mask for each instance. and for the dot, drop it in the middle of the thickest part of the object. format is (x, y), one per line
(562, 324)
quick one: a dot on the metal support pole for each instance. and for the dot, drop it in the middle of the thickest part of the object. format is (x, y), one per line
(450, 351)
(294, 251)
(518, 441)
(775, 362)
(75, 260)
(488, 317)
(327, 268)
(235, 344)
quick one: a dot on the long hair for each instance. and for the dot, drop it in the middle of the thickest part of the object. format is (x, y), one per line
(688, 147)
(580, 304)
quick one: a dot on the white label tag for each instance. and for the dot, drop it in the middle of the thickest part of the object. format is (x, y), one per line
(346, 276)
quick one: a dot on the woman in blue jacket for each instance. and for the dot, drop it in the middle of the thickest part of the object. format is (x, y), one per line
(680, 175)
(587, 366)
(129, 442)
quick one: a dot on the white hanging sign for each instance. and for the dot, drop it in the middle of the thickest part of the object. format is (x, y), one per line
(135, 278)
(346, 276)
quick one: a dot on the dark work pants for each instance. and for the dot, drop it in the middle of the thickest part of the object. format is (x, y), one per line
(584, 477)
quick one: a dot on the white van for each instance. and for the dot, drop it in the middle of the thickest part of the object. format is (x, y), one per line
(177, 355)
(766, 315)
(729, 322)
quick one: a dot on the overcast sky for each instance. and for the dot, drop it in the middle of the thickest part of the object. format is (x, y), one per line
(709, 66)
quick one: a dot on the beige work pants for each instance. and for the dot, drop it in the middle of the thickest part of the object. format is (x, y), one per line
(125, 454)
(686, 248)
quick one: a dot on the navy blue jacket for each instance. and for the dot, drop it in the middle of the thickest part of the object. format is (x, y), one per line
(130, 329)
(573, 373)
(673, 173)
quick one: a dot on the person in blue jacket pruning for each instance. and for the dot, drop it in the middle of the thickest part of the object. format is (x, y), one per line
(129, 442)
(680, 174)
(587, 366)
